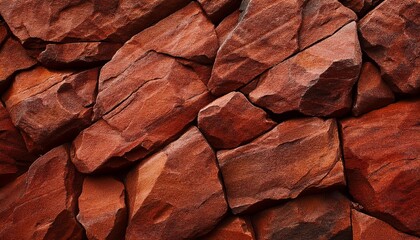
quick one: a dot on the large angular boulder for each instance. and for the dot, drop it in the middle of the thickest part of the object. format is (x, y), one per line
(148, 106)
(232, 120)
(366, 227)
(266, 27)
(389, 35)
(323, 216)
(46, 206)
(83, 21)
(176, 193)
(297, 155)
(317, 81)
(371, 93)
(102, 210)
(381, 152)
(232, 228)
(217, 10)
(51, 107)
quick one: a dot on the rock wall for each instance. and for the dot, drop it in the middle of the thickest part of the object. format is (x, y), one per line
(210, 119)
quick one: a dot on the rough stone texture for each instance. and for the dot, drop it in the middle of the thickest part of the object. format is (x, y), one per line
(102, 210)
(217, 10)
(170, 192)
(9, 196)
(14, 157)
(149, 105)
(360, 6)
(49, 106)
(45, 207)
(381, 152)
(317, 81)
(366, 227)
(390, 36)
(372, 93)
(3, 32)
(70, 20)
(295, 156)
(324, 216)
(248, 51)
(227, 26)
(232, 120)
(76, 55)
(13, 58)
(232, 228)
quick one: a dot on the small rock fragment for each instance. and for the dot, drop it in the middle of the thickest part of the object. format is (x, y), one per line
(232, 228)
(217, 10)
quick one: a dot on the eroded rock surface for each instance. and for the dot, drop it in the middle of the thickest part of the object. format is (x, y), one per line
(381, 152)
(217, 10)
(170, 192)
(232, 228)
(295, 156)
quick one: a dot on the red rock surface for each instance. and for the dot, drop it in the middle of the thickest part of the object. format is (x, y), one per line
(45, 208)
(247, 52)
(381, 152)
(171, 191)
(295, 156)
(232, 120)
(69, 20)
(3, 32)
(49, 106)
(217, 10)
(366, 227)
(324, 216)
(372, 93)
(227, 26)
(75, 55)
(389, 35)
(11, 49)
(102, 210)
(232, 228)
(317, 81)
(360, 6)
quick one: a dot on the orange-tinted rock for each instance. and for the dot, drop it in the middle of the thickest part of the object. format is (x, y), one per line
(248, 51)
(366, 227)
(381, 152)
(227, 26)
(232, 120)
(295, 156)
(49, 106)
(70, 20)
(232, 228)
(46, 208)
(217, 10)
(389, 35)
(317, 81)
(102, 210)
(323, 216)
(14, 157)
(84, 54)
(13, 58)
(372, 93)
(9, 197)
(146, 106)
(175, 193)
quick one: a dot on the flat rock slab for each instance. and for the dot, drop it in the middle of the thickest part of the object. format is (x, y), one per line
(295, 156)
(176, 193)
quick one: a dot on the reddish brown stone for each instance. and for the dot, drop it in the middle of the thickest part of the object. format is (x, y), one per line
(3, 32)
(389, 35)
(232, 228)
(75, 55)
(317, 81)
(360, 6)
(13, 58)
(295, 156)
(248, 51)
(232, 120)
(70, 20)
(381, 152)
(176, 193)
(372, 92)
(366, 227)
(148, 105)
(50, 106)
(14, 157)
(45, 207)
(323, 216)
(102, 210)
(216, 10)
(227, 26)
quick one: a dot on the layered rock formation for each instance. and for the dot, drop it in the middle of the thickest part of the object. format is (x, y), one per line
(209, 119)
